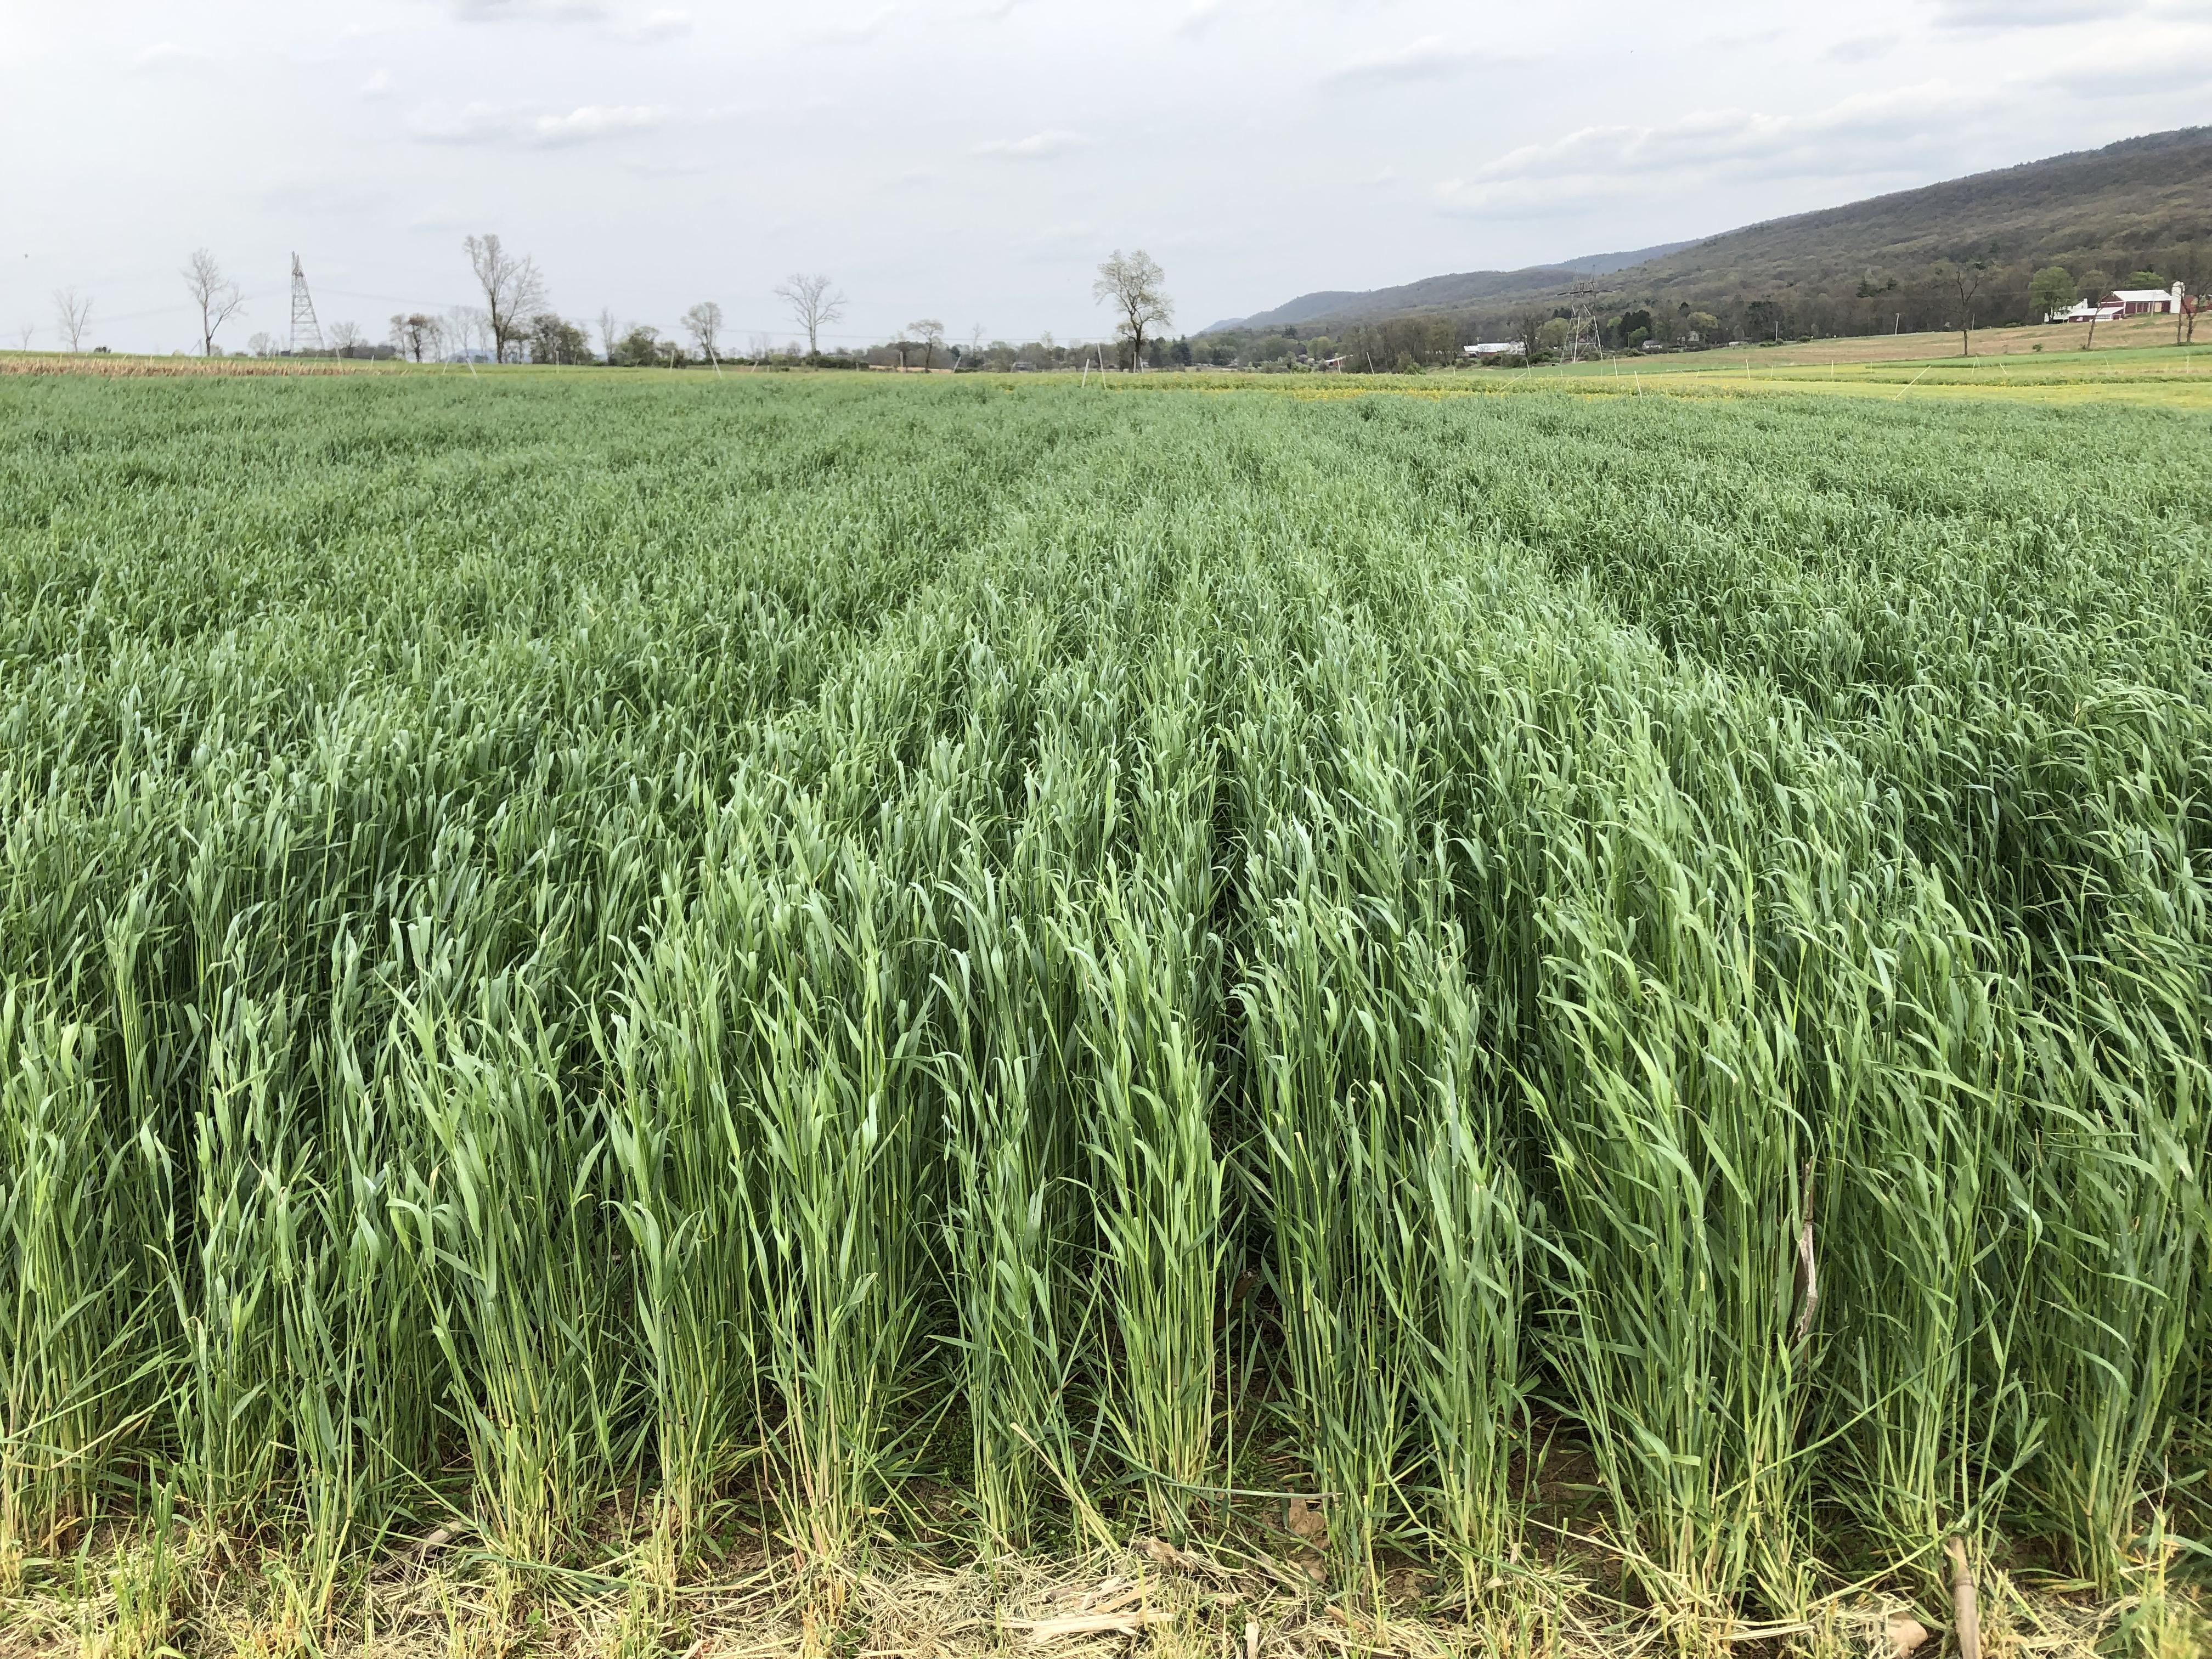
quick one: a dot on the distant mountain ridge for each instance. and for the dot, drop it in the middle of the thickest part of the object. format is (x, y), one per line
(1604, 264)
(2141, 203)
(1440, 290)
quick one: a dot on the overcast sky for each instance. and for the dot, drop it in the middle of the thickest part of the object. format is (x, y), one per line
(973, 161)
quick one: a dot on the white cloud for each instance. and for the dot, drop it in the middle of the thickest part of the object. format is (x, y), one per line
(491, 123)
(528, 11)
(1074, 237)
(657, 25)
(1874, 131)
(1860, 49)
(167, 53)
(1204, 16)
(377, 85)
(1201, 14)
(298, 197)
(848, 30)
(1739, 40)
(2029, 14)
(1037, 147)
(2137, 63)
(1430, 57)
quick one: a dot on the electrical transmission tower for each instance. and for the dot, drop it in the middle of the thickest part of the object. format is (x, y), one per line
(307, 333)
(1585, 333)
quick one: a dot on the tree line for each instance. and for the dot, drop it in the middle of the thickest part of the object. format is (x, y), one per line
(516, 323)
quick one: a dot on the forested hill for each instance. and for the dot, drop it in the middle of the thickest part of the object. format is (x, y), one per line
(2140, 205)
(1458, 289)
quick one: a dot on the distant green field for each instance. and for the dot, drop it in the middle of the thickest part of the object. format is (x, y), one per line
(612, 963)
(2161, 375)
(2165, 375)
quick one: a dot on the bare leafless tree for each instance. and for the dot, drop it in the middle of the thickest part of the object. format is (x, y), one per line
(513, 289)
(609, 330)
(344, 337)
(217, 297)
(24, 331)
(72, 315)
(931, 333)
(1528, 328)
(1966, 278)
(466, 328)
(2096, 289)
(703, 323)
(814, 306)
(262, 345)
(1131, 284)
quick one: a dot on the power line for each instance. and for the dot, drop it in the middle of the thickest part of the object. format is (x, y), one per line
(384, 299)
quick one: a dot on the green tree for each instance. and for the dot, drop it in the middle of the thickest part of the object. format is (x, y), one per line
(555, 339)
(2146, 279)
(2051, 289)
(639, 349)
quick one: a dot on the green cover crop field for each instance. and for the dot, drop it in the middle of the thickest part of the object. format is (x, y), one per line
(1572, 1023)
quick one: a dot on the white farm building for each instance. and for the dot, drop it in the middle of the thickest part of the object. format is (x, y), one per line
(2121, 302)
